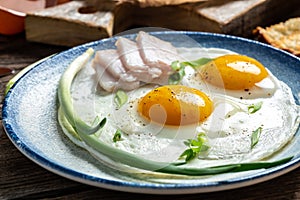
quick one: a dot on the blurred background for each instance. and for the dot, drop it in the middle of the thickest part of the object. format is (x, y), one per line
(70, 23)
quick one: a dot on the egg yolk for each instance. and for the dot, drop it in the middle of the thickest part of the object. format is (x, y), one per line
(175, 105)
(235, 72)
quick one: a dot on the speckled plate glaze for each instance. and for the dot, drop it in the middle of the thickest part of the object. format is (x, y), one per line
(30, 119)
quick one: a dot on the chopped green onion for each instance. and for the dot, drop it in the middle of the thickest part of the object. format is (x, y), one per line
(179, 67)
(176, 77)
(197, 63)
(195, 147)
(117, 136)
(254, 107)
(120, 98)
(189, 154)
(255, 136)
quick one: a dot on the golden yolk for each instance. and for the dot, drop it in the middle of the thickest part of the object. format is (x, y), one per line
(175, 105)
(233, 72)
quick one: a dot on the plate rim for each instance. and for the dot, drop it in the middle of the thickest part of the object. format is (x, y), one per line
(150, 188)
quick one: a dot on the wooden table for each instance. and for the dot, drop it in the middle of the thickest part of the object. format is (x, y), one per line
(20, 178)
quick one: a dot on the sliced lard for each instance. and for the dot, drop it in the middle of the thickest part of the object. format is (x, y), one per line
(110, 83)
(156, 52)
(104, 78)
(109, 59)
(130, 55)
(111, 74)
(133, 62)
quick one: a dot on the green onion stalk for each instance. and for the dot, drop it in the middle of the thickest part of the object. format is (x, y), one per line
(72, 122)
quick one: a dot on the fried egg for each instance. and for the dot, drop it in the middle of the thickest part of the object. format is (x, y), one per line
(234, 75)
(156, 120)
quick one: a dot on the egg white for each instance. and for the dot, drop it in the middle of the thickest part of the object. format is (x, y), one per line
(264, 88)
(228, 129)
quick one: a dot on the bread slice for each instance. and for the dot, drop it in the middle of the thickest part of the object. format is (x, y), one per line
(285, 35)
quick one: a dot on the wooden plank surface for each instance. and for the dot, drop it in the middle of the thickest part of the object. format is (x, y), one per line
(69, 24)
(66, 25)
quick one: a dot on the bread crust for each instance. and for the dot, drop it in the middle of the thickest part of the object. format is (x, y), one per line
(285, 35)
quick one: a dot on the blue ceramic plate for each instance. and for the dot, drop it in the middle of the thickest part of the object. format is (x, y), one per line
(30, 119)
